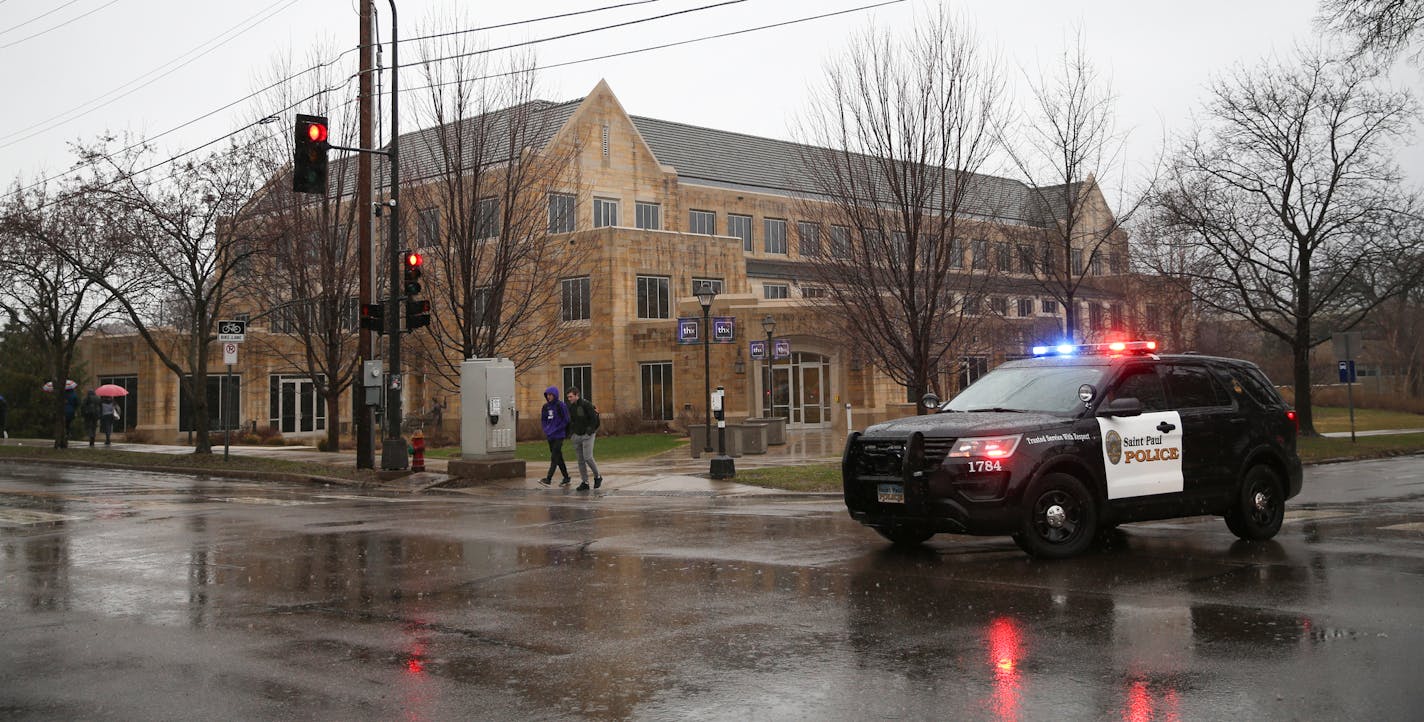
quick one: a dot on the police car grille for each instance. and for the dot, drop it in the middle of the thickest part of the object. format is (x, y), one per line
(879, 458)
(936, 450)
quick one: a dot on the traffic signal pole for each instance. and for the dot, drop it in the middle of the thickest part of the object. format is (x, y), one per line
(365, 418)
(393, 449)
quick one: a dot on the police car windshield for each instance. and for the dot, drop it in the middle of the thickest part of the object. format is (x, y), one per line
(1039, 389)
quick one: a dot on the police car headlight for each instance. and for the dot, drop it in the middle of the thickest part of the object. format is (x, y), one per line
(985, 447)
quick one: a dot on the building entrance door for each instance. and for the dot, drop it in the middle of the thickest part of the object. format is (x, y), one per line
(297, 405)
(799, 391)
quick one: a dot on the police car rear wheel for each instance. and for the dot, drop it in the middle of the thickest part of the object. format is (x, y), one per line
(1260, 508)
(1061, 518)
(905, 535)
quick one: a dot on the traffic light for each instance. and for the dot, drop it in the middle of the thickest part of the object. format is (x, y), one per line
(309, 156)
(413, 262)
(373, 317)
(417, 314)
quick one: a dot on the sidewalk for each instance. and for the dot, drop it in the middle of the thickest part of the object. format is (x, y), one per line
(670, 473)
(1376, 432)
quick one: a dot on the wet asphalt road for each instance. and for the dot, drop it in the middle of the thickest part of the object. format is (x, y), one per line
(129, 595)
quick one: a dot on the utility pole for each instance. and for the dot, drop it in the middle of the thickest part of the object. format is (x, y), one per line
(393, 451)
(365, 433)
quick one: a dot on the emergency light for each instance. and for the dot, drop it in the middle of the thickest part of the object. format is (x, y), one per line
(1097, 349)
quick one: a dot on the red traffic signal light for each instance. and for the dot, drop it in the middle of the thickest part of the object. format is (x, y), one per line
(316, 132)
(373, 317)
(413, 259)
(309, 155)
(413, 262)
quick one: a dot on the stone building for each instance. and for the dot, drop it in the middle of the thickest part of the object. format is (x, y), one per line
(657, 208)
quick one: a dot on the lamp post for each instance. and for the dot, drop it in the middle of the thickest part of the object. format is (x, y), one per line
(768, 324)
(705, 294)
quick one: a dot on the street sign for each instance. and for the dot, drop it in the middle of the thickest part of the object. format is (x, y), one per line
(232, 330)
(230, 353)
(1347, 372)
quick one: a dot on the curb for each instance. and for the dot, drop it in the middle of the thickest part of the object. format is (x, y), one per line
(220, 473)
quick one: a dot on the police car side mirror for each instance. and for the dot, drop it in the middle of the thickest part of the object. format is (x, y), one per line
(1122, 407)
(930, 401)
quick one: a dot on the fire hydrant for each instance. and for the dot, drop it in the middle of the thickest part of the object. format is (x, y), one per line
(417, 450)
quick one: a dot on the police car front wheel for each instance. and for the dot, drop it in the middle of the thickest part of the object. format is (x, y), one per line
(1060, 518)
(1260, 506)
(905, 535)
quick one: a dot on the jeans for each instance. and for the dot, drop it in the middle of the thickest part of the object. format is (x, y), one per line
(556, 458)
(583, 449)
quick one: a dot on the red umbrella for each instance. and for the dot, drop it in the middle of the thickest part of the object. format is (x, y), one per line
(111, 390)
(69, 385)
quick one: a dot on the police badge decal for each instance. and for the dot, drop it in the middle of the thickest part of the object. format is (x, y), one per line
(1112, 443)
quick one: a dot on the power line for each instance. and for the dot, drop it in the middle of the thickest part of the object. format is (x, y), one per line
(46, 122)
(39, 17)
(56, 27)
(526, 22)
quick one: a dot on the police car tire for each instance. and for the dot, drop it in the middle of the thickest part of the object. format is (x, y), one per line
(905, 535)
(1251, 521)
(1039, 537)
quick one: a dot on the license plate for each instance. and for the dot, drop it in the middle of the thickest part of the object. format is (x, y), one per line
(890, 494)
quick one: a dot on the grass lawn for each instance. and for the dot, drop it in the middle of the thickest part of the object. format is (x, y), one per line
(213, 462)
(608, 448)
(1337, 418)
(812, 477)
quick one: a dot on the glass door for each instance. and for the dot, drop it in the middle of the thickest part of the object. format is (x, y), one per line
(296, 405)
(811, 396)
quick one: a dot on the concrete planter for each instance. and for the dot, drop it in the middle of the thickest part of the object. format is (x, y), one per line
(775, 428)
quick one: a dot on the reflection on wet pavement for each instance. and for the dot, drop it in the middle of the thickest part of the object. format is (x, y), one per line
(152, 596)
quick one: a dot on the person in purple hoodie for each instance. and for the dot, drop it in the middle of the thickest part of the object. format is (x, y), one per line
(555, 419)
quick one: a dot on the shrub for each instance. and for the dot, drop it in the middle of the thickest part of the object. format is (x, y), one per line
(251, 439)
(1337, 395)
(323, 445)
(138, 436)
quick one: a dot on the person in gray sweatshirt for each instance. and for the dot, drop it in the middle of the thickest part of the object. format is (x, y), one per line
(583, 424)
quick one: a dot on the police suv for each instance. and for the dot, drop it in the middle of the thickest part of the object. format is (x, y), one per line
(1079, 439)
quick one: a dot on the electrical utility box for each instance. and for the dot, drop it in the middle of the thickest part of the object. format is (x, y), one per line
(487, 408)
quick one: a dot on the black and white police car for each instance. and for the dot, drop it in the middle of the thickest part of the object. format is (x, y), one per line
(1078, 439)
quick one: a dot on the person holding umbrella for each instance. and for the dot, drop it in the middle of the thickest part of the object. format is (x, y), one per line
(109, 408)
(89, 409)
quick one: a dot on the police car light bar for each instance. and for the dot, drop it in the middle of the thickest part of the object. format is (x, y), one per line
(1096, 349)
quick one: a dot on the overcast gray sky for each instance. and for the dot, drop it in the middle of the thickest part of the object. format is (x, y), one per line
(1158, 56)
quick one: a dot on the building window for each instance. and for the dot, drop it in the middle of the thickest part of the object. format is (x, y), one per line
(1154, 317)
(775, 235)
(775, 290)
(657, 390)
(605, 212)
(574, 299)
(971, 368)
(999, 305)
(580, 377)
(698, 283)
(1095, 266)
(840, 241)
(427, 227)
(703, 222)
(810, 235)
(899, 247)
(1025, 307)
(972, 305)
(813, 292)
(741, 227)
(1117, 316)
(653, 299)
(1004, 257)
(648, 216)
(1026, 259)
(979, 251)
(956, 253)
(1095, 316)
(224, 396)
(561, 212)
(1050, 306)
(1115, 262)
(128, 405)
(482, 314)
(1077, 260)
(487, 220)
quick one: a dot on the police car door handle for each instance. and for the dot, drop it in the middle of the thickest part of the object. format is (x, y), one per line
(1165, 427)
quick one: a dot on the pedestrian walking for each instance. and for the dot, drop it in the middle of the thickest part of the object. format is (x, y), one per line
(71, 405)
(89, 409)
(554, 417)
(583, 425)
(108, 416)
(4, 417)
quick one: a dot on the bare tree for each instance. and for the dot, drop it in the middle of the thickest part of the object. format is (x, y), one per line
(483, 169)
(1286, 205)
(1066, 143)
(301, 275)
(1383, 27)
(45, 296)
(182, 230)
(895, 141)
